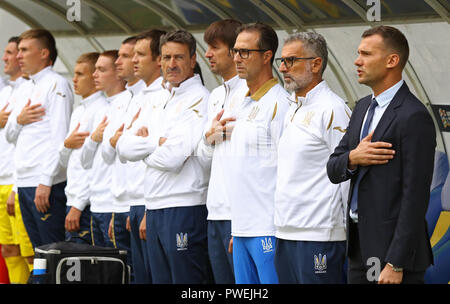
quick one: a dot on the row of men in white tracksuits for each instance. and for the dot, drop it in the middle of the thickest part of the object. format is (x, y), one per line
(147, 146)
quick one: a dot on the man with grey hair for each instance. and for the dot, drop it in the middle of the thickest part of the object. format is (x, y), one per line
(309, 209)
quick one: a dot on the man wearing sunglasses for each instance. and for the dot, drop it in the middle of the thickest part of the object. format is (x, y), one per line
(253, 162)
(309, 209)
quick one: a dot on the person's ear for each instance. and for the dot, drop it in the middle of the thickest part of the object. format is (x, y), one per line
(392, 61)
(267, 56)
(316, 65)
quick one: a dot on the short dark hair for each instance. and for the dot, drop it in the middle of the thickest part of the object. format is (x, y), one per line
(113, 54)
(222, 30)
(268, 39)
(393, 39)
(154, 35)
(179, 36)
(45, 38)
(131, 40)
(14, 39)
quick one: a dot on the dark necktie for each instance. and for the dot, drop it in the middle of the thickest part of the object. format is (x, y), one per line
(365, 132)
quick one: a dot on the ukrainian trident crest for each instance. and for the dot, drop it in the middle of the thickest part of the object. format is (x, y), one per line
(320, 263)
(182, 241)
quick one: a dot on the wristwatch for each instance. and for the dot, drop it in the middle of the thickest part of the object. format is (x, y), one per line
(396, 269)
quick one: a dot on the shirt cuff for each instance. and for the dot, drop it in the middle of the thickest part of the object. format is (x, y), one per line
(351, 172)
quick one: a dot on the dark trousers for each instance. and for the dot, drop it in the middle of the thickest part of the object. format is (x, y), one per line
(120, 236)
(82, 236)
(366, 272)
(307, 262)
(141, 264)
(99, 229)
(177, 245)
(44, 228)
(219, 235)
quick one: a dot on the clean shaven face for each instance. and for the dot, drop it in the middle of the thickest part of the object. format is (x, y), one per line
(251, 67)
(143, 63)
(11, 66)
(124, 63)
(30, 56)
(83, 79)
(105, 74)
(372, 60)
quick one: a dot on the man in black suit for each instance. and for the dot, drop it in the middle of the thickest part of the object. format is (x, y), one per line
(388, 153)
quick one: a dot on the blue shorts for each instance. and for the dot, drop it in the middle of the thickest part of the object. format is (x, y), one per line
(44, 228)
(219, 235)
(177, 245)
(307, 262)
(253, 259)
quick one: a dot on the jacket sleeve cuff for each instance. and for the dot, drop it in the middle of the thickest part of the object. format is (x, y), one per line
(80, 205)
(108, 149)
(90, 144)
(46, 180)
(153, 143)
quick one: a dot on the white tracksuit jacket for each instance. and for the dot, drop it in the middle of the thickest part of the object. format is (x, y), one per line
(253, 162)
(121, 115)
(77, 189)
(308, 207)
(174, 176)
(9, 95)
(134, 174)
(101, 197)
(37, 156)
(228, 97)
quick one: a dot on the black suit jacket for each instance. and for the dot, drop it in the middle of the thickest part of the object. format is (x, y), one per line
(392, 198)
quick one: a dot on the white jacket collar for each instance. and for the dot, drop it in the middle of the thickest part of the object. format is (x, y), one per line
(118, 95)
(17, 82)
(310, 95)
(187, 84)
(136, 88)
(154, 86)
(36, 77)
(91, 98)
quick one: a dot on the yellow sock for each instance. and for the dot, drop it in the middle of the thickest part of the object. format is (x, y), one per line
(17, 269)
